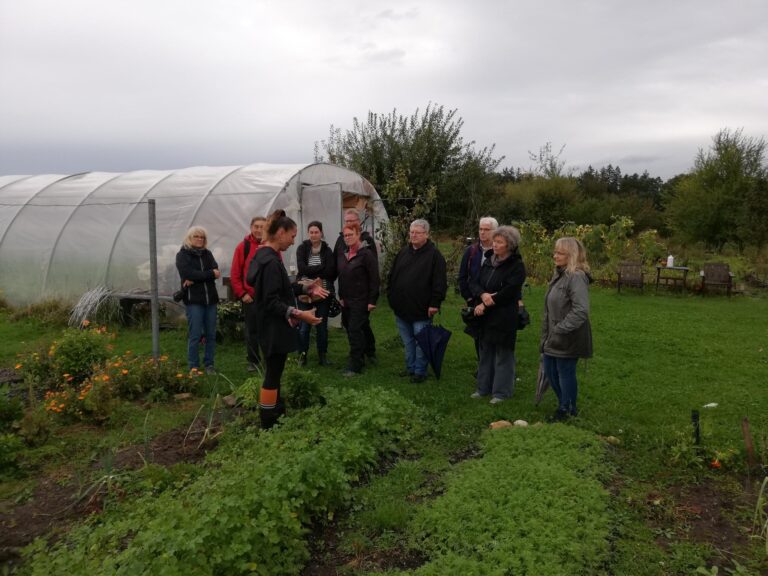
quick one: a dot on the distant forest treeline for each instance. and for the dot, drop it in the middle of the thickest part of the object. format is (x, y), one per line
(421, 161)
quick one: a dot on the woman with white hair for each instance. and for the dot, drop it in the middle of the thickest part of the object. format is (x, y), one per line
(498, 289)
(199, 271)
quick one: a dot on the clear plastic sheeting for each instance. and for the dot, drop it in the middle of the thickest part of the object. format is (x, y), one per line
(61, 236)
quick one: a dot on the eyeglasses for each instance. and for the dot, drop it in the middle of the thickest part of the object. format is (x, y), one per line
(198, 236)
(418, 231)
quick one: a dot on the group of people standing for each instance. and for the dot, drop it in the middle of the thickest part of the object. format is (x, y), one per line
(280, 312)
(491, 279)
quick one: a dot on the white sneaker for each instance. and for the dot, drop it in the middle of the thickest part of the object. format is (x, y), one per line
(495, 400)
(475, 395)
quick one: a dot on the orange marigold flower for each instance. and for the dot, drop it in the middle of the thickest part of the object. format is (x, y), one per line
(86, 323)
(124, 371)
(715, 464)
(18, 366)
(179, 375)
(105, 377)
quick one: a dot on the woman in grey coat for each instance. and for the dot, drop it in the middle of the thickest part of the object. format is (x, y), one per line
(566, 333)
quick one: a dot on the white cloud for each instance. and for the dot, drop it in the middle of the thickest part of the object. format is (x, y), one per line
(140, 84)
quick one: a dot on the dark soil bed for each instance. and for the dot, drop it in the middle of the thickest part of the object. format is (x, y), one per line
(58, 501)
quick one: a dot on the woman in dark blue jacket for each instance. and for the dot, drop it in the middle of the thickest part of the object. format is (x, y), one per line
(199, 271)
(498, 290)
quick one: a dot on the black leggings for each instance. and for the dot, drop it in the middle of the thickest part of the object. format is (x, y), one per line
(271, 405)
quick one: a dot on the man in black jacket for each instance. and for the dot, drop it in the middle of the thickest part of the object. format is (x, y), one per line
(416, 288)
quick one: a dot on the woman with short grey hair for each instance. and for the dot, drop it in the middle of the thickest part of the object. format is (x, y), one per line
(498, 290)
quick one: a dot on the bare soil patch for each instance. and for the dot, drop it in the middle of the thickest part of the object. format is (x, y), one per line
(328, 560)
(704, 513)
(58, 500)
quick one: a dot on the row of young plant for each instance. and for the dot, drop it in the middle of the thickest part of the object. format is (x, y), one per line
(77, 377)
(533, 503)
(249, 511)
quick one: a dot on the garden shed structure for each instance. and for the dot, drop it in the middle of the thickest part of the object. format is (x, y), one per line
(63, 235)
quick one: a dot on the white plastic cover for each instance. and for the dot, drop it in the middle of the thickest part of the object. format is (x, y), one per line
(63, 235)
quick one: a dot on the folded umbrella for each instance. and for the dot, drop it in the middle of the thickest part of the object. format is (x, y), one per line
(433, 340)
(542, 382)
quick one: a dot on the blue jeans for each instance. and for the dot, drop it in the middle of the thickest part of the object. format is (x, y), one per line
(201, 322)
(415, 359)
(321, 332)
(561, 373)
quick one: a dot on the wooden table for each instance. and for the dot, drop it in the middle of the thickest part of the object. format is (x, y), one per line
(671, 276)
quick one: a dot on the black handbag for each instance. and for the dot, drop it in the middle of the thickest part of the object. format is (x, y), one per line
(468, 315)
(334, 307)
(179, 295)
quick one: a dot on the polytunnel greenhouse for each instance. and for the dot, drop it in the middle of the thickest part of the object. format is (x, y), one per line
(61, 236)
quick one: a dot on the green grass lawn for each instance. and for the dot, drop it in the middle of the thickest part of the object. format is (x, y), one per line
(657, 358)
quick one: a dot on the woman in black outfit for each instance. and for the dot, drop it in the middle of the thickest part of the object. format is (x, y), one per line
(315, 260)
(277, 316)
(358, 271)
(498, 290)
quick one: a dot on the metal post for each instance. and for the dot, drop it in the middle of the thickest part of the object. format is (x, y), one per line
(153, 281)
(696, 427)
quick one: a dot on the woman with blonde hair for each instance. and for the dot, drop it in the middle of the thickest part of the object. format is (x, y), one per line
(199, 271)
(566, 333)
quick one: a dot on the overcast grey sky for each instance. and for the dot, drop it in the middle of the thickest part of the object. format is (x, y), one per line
(120, 85)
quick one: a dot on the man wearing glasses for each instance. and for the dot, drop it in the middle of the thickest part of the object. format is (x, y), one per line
(416, 288)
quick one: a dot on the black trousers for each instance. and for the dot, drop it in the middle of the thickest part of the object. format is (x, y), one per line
(249, 330)
(356, 321)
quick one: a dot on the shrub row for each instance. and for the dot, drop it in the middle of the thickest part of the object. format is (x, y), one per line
(533, 504)
(77, 380)
(250, 510)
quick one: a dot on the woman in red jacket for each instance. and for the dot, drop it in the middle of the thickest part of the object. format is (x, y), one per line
(242, 291)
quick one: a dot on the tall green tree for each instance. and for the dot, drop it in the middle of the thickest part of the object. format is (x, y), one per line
(724, 198)
(429, 151)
